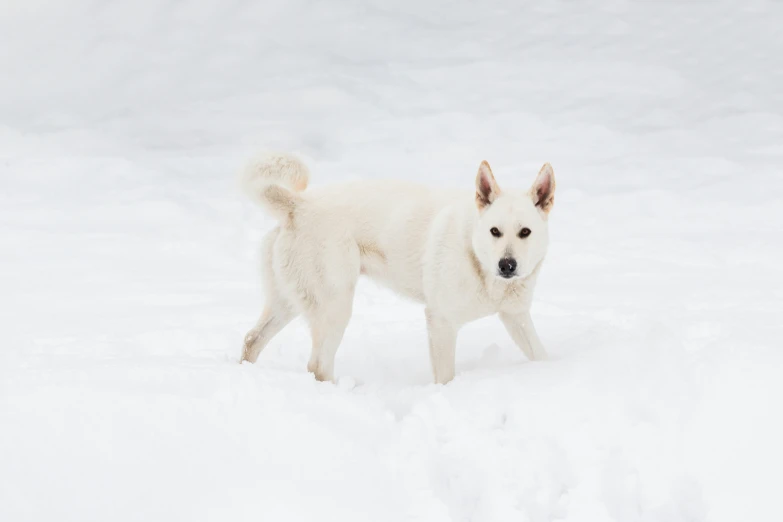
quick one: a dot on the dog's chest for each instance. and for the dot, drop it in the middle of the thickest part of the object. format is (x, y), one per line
(491, 300)
(509, 298)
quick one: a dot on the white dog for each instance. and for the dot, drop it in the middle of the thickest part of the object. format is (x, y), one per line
(463, 256)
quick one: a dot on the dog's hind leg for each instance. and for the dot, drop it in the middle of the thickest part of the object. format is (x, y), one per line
(327, 326)
(273, 319)
(329, 313)
(318, 266)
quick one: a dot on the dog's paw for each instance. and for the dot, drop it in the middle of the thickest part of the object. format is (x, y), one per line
(539, 355)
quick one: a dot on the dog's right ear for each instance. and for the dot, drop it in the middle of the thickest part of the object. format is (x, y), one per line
(487, 189)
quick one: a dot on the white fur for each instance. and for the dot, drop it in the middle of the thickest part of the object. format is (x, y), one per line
(262, 176)
(431, 245)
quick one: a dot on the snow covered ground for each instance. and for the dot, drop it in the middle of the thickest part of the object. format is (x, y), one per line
(128, 261)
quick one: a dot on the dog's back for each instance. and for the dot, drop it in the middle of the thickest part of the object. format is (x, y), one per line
(389, 221)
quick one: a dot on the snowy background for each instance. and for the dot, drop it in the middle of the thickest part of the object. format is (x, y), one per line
(129, 261)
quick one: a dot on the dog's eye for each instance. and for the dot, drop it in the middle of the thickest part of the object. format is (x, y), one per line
(524, 232)
(495, 232)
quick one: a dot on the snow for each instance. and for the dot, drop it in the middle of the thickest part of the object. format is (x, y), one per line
(129, 261)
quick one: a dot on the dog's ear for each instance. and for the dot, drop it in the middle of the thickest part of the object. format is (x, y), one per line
(543, 189)
(487, 189)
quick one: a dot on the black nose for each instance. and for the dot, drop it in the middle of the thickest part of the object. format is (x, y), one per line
(507, 266)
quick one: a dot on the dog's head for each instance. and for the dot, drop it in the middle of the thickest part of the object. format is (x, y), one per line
(511, 235)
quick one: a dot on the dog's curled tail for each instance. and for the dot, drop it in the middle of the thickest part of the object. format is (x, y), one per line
(274, 180)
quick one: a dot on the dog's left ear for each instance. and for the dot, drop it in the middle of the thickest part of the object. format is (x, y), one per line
(543, 189)
(487, 189)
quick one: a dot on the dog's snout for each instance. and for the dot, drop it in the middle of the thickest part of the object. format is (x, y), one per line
(507, 266)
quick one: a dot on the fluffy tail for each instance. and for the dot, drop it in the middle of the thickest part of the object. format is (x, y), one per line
(274, 180)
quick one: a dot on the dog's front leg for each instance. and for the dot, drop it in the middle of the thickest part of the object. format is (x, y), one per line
(443, 345)
(520, 328)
